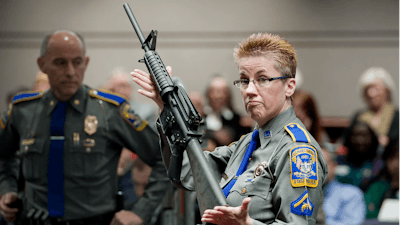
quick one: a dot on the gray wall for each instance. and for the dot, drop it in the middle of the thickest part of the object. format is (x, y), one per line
(335, 40)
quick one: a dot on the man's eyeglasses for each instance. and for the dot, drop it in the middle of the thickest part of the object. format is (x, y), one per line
(259, 82)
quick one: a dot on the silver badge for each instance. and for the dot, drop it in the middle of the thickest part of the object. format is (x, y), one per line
(259, 169)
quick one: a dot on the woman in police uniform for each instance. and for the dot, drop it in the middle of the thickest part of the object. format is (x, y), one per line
(275, 174)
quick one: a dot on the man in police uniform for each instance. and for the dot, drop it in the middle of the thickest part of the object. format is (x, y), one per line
(71, 138)
(275, 174)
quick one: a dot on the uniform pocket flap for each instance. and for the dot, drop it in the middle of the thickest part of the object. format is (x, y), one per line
(259, 186)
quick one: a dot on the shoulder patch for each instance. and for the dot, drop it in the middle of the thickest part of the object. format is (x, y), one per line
(297, 133)
(231, 144)
(26, 96)
(108, 96)
(303, 166)
(236, 141)
(131, 117)
(244, 135)
(5, 117)
(302, 206)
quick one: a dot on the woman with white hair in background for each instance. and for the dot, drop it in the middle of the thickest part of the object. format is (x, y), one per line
(381, 116)
(378, 88)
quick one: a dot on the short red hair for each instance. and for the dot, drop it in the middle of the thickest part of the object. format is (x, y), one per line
(272, 47)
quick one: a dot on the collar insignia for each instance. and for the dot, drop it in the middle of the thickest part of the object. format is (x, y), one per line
(267, 134)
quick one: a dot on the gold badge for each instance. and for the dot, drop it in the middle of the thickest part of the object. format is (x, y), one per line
(91, 123)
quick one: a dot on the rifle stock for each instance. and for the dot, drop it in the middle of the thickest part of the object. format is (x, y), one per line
(179, 123)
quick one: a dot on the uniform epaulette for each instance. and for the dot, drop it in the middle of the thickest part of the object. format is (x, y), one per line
(297, 133)
(236, 141)
(108, 96)
(26, 96)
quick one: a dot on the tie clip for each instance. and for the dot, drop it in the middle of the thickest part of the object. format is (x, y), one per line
(57, 138)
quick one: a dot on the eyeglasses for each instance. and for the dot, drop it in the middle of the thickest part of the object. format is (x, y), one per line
(259, 82)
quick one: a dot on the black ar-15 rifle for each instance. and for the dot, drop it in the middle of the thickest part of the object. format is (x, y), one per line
(179, 122)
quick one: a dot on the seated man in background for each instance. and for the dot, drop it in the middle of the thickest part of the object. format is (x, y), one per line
(343, 203)
(223, 120)
(359, 166)
(386, 185)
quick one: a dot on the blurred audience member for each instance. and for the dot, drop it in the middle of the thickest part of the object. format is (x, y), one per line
(387, 182)
(41, 82)
(343, 203)
(299, 79)
(356, 166)
(119, 83)
(198, 102)
(305, 107)
(223, 120)
(207, 142)
(21, 180)
(133, 172)
(378, 88)
(140, 173)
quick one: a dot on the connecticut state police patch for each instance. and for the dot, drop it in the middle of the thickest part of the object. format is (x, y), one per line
(132, 118)
(303, 166)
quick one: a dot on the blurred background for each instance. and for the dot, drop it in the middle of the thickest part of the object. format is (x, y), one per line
(335, 40)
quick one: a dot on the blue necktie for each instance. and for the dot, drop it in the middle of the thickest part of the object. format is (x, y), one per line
(244, 163)
(55, 169)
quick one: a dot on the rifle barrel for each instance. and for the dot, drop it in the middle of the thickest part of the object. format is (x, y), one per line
(135, 25)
